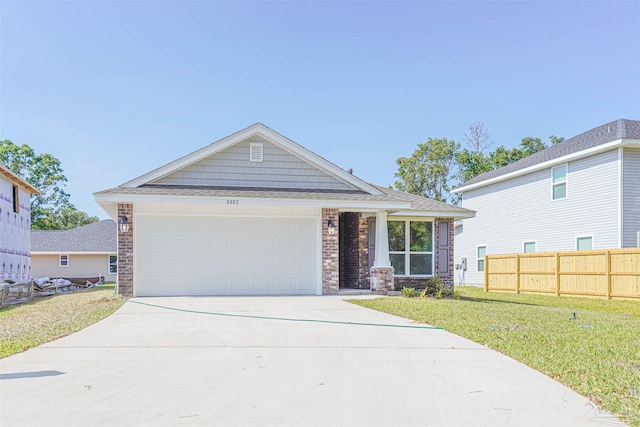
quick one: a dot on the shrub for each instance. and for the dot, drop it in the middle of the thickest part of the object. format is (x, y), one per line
(435, 288)
(410, 292)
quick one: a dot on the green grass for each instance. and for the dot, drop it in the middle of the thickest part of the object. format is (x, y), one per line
(30, 324)
(597, 354)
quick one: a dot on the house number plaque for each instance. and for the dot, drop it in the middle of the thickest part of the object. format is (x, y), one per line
(233, 201)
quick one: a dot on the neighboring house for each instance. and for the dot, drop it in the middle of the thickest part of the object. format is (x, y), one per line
(257, 214)
(84, 252)
(15, 227)
(583, 193)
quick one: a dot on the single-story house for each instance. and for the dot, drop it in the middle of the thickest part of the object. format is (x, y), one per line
(87, 252)
(580, 194)
(257, 214)
(15, 227)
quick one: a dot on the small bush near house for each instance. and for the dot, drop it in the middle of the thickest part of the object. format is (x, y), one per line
(410, 292)
(435, 288)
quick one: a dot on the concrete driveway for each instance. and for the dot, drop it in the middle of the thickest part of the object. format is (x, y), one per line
(148, 366)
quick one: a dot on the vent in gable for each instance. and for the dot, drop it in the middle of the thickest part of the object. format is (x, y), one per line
(255, 152)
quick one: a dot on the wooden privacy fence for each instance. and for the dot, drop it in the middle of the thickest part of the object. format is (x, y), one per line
(608, 273)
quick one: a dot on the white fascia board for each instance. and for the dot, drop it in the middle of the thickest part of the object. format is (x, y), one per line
(104, 200)
(544, 165)
(435, 214)
(271, 136)
(71, 253)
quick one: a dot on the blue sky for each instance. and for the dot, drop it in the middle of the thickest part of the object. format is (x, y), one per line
(115, 89)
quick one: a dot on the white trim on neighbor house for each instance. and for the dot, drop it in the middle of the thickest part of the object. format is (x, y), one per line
(66, 258)
(535, 246)
(638, 242)
(565, 182)
(585, 236)
(549, 163)
(620, 194)
(270, 135)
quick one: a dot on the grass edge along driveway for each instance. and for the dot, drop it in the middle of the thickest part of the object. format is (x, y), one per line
(27, 325)
(596, 353)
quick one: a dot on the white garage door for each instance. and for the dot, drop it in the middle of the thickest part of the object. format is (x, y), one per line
(225, 256)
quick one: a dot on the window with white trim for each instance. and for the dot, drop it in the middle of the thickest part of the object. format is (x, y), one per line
(481, 252)
(559, 182)
(256, 152)
(64, 261)
(411, 247)
(529, 247)
(113, 264)
(584, 243)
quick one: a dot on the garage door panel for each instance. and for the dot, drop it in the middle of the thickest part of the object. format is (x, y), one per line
(225, 256)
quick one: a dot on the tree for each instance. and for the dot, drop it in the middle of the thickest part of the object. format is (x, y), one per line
(51, 209)
(429, 170)
(478, 137)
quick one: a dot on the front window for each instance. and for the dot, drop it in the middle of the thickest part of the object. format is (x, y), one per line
(584, 243)
(559, 182)
(411, 247)
(529, 247)
(113, 264)
(64, 261)
(482, 251)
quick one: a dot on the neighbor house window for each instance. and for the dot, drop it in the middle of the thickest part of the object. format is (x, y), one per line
(113, 264)
(411, 247)
(482, 251)
(64, 260)
(559, 182)
(528, 247)
(584, 243)
(16, 199)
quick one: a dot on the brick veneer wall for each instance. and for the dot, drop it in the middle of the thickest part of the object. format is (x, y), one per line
(330, 248)
(363, 253)
(125, 252)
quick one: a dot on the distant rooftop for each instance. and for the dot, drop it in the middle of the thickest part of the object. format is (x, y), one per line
(618, 129)
(99, 237)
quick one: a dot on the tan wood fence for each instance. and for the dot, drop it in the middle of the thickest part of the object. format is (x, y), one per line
(608, 273)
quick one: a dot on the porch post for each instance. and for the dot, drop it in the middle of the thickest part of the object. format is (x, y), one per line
(382, 241)
(381, 271)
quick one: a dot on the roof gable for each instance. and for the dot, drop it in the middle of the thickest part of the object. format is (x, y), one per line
(200, 167)
(585, 142)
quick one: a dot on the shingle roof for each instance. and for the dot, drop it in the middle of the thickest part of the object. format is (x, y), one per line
(423, 203)
(607, 132)
(100, 237)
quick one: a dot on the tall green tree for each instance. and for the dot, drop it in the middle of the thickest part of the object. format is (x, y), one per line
(430, 169)
(51, 209)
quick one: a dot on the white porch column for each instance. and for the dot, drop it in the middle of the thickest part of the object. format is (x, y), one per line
(382, 242)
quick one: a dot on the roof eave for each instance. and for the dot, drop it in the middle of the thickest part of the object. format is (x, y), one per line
(14, 178)
(549, 163)
(435, 214)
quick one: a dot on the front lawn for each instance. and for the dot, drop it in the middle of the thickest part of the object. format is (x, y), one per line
(597, 353)
(27, 325)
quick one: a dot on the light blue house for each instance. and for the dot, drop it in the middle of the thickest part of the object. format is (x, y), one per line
(581, 194)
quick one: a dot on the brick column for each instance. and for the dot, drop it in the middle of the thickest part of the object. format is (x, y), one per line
(125, 252)
(330, 248)
(363, 253)
(448, 277)
(382, 279)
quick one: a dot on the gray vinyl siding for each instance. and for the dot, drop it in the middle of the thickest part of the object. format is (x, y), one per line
(232, 168)
(511, 212)
(631, 197)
